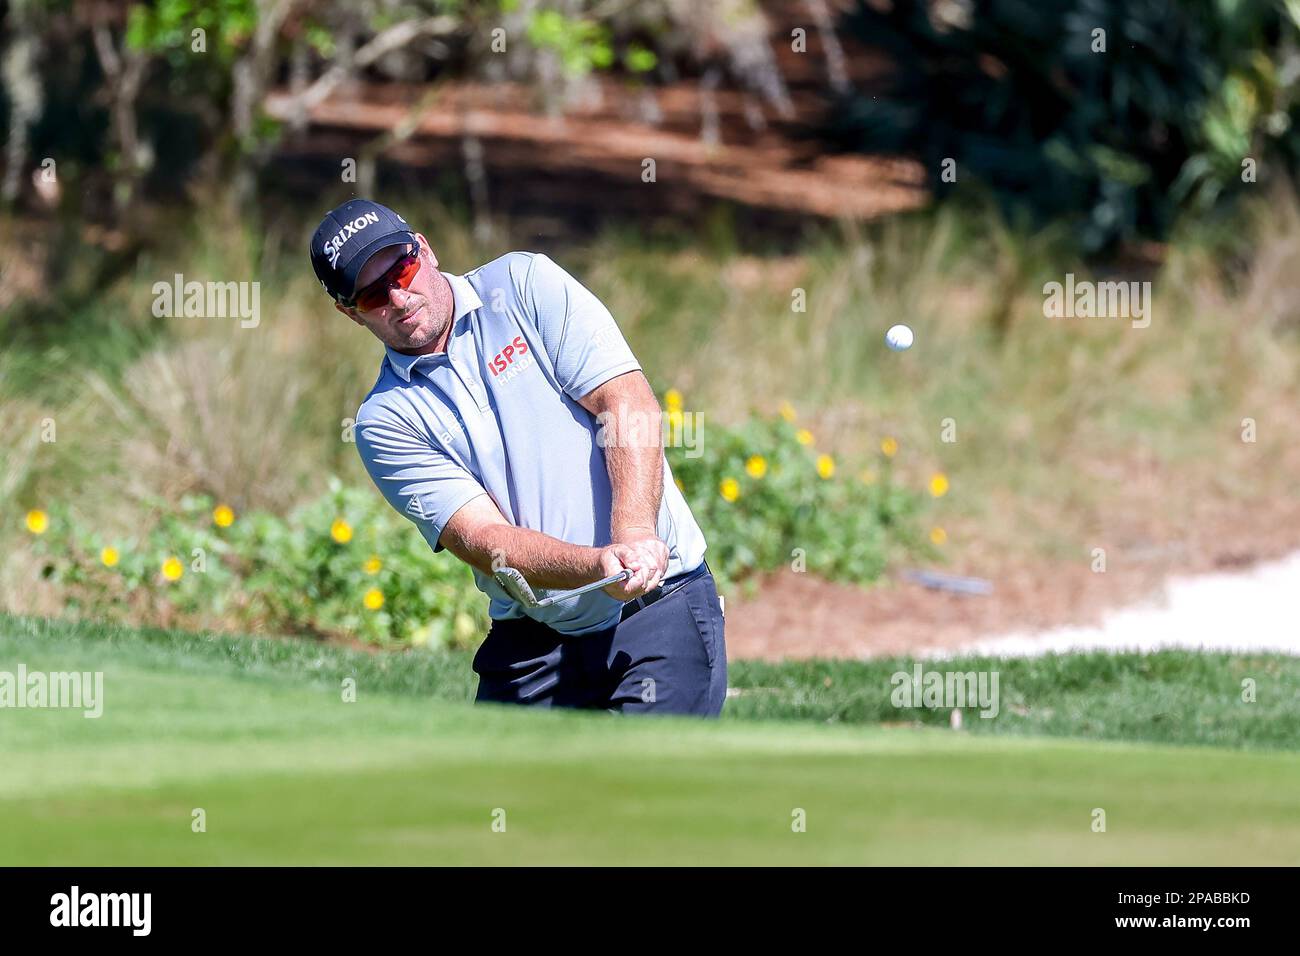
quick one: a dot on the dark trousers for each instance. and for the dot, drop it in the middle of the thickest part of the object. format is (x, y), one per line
(668, 657)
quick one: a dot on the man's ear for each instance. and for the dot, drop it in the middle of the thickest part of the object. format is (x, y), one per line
(424, 244)
(350, 313)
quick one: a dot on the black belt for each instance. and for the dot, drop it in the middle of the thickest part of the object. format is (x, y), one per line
(664, 589)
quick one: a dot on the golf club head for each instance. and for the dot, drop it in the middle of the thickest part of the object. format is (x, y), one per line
(513, 583)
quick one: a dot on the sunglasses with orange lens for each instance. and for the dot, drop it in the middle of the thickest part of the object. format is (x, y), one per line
(400, 275)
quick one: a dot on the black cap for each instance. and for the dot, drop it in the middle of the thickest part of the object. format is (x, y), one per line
(348, 236)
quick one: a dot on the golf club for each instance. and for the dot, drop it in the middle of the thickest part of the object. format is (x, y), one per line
(517, 587)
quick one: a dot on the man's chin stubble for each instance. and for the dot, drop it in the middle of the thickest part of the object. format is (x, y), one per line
(420, 337)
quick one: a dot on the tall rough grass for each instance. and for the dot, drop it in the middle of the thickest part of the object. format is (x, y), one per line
(1052, 419)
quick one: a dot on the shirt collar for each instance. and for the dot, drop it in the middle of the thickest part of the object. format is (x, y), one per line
(464, 301)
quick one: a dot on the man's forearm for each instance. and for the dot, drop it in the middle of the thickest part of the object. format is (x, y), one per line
(637, 478)
(546, 562)
(634, 459)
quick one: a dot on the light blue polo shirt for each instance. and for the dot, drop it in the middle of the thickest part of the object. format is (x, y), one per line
(498, 413)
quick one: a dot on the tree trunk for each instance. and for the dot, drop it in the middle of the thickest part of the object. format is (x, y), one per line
(22, 85)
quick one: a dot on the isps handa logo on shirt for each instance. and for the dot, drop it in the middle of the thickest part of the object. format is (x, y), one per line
(511, 360)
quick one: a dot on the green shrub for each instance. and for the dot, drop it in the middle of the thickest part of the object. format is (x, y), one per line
(345, 564)
(1107, 115)
(766, 499)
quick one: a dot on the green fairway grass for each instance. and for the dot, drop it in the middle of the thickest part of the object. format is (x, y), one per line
(1171, 696)
(257, 735)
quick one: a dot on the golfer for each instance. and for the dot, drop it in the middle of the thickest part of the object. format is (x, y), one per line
(513, 425)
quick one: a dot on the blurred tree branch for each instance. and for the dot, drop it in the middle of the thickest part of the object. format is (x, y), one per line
(124, 72)
(250, 74)
(387, 41)
(187, 81)
(22, 86)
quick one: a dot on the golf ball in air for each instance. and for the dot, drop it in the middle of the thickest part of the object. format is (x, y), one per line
(899, 338)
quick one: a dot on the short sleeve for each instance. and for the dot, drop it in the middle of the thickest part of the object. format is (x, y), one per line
(419, 480)
(582, 339)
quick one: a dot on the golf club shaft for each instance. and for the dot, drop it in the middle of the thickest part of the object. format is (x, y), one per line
(565, 595)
